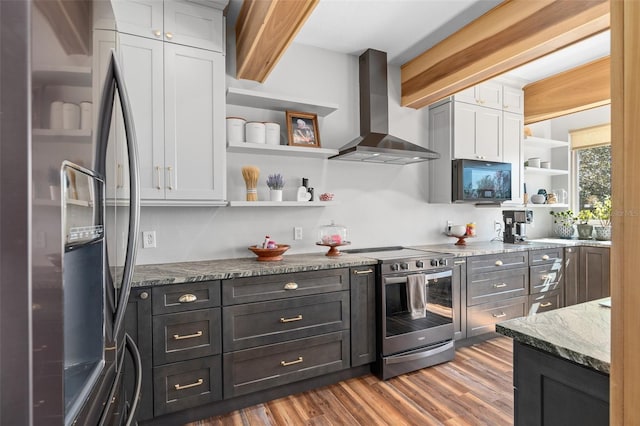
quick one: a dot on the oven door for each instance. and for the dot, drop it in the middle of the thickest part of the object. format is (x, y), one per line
(401, 332)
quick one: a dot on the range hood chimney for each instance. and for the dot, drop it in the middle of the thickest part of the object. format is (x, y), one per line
(375, 144)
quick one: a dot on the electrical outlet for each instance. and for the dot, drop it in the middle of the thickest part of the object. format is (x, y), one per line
(448, 227)
(497, 226)
(149, 239)
(297, 233)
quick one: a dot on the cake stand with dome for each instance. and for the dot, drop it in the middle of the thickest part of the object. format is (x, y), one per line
(332, 236)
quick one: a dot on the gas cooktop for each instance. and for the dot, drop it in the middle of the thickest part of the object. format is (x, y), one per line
(395, 253)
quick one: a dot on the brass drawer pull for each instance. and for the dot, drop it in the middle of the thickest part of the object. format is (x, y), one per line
(500, 315)
(368, 271)
(545, 257)
(501, 285)
(545, 305)
(190, 385)
(187, 298)
(187, 336)
(298, 318)
(499, 263)
(544, 277)
(291, 286)
(459, 262)
(285, 363)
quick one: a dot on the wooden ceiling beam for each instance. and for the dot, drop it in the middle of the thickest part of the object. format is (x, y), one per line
(509, 35)
(264, 30)
(578, 89)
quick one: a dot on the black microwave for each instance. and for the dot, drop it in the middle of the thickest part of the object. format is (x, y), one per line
(480, 181)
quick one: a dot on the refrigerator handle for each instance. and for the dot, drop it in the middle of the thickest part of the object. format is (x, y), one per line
(115, 80)
(137, 362)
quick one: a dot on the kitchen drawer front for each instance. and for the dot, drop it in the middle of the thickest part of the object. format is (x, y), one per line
(543, 302)
(185, 297)
(186, 384)
(545, 278)
(496, 262)
(255, 324)
(255, 369)
(284, 286)
(482, 318)
(494, 286)
(186, 335)
(552, 255)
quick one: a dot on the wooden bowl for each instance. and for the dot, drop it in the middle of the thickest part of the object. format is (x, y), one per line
(269, 255)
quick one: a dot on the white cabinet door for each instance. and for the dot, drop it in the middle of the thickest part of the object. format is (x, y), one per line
(512, 100)
(466, 95)
(139, 17)
(142, 63)
(193, 25)
(489, 94)
(477, 132)
(194, 123)
(512, 125)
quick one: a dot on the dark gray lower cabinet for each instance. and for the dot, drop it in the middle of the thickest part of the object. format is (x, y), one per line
(586, 274)
(363, 316)
(138, 324)
(551, 391)
(571, 275)
(459, 290)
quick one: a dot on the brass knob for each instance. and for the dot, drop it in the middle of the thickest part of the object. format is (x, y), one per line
(144, 295)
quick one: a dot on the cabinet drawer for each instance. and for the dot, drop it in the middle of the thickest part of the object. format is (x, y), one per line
(251, 370)
(185, 297)
(186, 335)
(482, 318)
(264, 323)
(543, 302)
(545, 278)
(493, 286)
(552, 255)
(283, 286)
(497, 262)
(186, 384)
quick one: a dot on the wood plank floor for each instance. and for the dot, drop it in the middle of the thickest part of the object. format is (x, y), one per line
(476, 388)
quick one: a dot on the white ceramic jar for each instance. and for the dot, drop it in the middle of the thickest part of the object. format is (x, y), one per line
(272, 133)
(86, 115)
(55, 115)
(534, 162)
(255, 132)
(70, 116)
(235, 129)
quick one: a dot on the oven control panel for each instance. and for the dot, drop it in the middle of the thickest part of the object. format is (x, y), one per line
(416, 265)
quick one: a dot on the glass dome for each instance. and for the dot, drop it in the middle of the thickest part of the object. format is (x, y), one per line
(332, 234)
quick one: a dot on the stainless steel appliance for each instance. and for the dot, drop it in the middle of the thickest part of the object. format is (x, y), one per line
(515, 225)
(408, 342)
(68, 245)
(480, 181)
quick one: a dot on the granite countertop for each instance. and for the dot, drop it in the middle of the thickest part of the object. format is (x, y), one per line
(184, 272)
(574, 242)
(485, 247)
(579, 333)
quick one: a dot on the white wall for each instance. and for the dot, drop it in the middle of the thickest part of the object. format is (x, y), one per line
(379, 204)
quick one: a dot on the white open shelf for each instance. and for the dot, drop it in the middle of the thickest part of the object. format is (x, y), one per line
(280, 150)
(254, 99)
(544, 143)
(549, 172)
(549, 206)
(280, 203)
(63, 76)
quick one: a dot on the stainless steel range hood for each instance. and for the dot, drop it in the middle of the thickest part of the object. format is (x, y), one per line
(375, 144)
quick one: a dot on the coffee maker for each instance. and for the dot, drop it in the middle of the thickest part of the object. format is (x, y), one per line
(515, 225)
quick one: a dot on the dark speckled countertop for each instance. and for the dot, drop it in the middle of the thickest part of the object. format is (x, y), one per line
(476, 248)
(184, 272)
(579, 333)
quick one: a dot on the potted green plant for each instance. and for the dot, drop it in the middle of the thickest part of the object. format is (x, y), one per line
(585, 231)
(602, 212)
(563, 222)
(275, 184)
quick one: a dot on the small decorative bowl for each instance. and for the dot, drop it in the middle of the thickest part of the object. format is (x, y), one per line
(327, 196)
(269, 255)
(538, 199)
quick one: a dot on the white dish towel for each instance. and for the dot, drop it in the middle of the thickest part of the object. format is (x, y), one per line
(417, 295)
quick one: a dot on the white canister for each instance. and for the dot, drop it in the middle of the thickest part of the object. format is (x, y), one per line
(272, 133)
(534, 162)
(255, 132)
(235, 129)
(55, 115)
(86, 115)
(70, 116)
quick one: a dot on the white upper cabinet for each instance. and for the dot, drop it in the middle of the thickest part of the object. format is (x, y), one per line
(512, 100)
(477, 132)
(487, 94)
(173, 21)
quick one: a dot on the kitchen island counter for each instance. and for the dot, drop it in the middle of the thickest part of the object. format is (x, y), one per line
(205, 270)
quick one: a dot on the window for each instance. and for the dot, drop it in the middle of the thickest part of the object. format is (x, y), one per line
(592, 165)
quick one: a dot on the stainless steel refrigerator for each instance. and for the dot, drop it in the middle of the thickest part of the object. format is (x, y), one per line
(68, 217)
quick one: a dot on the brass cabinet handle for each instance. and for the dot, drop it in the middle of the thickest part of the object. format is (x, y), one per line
(158, 177)
(544, 305)
(169, 35)
(190, 385)
(368, 271)
(500, 315)
(545, 257)
(291, 286)
(285, 320)
(544, 277)
(459, 262)
(157, 33)
(499, 263)
(285, 363)
(187, 336)
(501, 285)
(187, 298)
(170, 169)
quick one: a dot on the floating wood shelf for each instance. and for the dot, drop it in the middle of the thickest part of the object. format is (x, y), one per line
(280, 150)
(262, 100)
(533, 142)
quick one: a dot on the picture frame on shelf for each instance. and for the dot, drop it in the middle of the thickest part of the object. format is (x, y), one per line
(302, 129)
